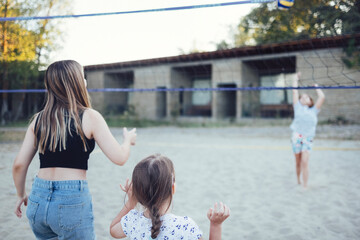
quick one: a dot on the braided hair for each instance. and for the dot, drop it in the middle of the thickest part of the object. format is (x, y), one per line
(152, 180)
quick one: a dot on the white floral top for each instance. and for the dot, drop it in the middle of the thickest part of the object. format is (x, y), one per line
(137, 227)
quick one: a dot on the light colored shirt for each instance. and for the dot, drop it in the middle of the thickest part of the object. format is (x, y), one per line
(305, 120)
(136, 226)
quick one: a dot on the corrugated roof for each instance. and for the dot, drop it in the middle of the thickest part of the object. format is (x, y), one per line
(273, 48)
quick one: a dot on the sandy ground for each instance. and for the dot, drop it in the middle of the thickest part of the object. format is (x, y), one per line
(252, 170)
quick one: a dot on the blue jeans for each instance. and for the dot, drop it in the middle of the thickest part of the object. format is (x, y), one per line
(61, 210)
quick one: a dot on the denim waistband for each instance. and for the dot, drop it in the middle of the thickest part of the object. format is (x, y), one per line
(66, 184)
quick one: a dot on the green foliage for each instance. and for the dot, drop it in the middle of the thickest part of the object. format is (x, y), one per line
(25, 46)
(222, 45)
(306, 19)
(352, 55)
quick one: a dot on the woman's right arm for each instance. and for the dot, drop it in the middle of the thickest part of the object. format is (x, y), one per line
(21, 165)
(295, 92)
(94, 124)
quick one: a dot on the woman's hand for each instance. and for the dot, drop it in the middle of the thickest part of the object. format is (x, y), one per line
(130, 135)
(19, 202)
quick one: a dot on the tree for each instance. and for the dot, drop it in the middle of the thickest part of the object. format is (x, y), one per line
(25, 46)
(306, 19)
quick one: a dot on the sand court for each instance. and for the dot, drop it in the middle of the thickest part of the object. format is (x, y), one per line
(252, 170)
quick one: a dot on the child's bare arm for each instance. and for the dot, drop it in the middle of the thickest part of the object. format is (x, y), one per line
(217, 216)
(321, 97)
(116, 230)
(295, 91)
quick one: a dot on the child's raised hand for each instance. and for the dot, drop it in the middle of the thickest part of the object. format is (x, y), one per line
(130, 135)
(128, 190)
(219, 214)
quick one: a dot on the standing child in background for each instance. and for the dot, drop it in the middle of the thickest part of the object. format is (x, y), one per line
(304, 127)
(64, 133)
(153, 186)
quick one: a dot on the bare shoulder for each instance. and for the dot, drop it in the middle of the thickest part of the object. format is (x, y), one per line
(91, 121)
(91, 115)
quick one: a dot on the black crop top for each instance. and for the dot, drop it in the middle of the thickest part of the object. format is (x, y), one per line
(73, 157)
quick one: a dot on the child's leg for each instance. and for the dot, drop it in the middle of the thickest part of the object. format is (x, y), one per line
(296, 141)
(305, 166)
(298, 166)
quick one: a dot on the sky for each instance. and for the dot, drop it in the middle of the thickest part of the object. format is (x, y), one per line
(119, 38)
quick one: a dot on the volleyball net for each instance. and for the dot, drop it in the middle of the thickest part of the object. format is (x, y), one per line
(248, 81)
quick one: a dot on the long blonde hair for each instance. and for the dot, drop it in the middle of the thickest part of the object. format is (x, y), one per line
(66, 98)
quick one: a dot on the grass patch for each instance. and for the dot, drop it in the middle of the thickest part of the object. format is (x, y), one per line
(11, 136)
(127, 121)
(21, 124)
(123, 121)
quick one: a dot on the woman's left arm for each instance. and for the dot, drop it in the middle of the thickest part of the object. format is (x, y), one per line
(21, 165)
(321, 97)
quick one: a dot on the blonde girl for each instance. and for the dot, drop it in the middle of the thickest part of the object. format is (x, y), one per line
(64, 133)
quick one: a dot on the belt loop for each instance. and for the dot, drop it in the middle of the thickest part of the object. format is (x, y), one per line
(81, 186)
(51, 186)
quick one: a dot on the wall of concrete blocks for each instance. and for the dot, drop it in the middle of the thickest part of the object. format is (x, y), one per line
(324, 67)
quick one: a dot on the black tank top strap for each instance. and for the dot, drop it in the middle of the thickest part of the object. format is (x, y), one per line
(36, 121)
(81, 114)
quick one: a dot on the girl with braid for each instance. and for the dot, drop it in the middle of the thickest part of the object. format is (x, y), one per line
(153, 186)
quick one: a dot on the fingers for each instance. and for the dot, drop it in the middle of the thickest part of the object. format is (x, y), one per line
(227, 211)
(127, 185)
(219, 213)
(130, 135)
(18, 211)
(216, 210)
(122, 188)
(133, 131)
(209, 213)
(221, 208)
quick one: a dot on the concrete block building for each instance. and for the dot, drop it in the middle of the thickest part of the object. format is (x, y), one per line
(270, 65)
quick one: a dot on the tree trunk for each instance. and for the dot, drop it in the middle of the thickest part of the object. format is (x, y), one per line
(5, 108)
(5, 114)
(20, 109)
